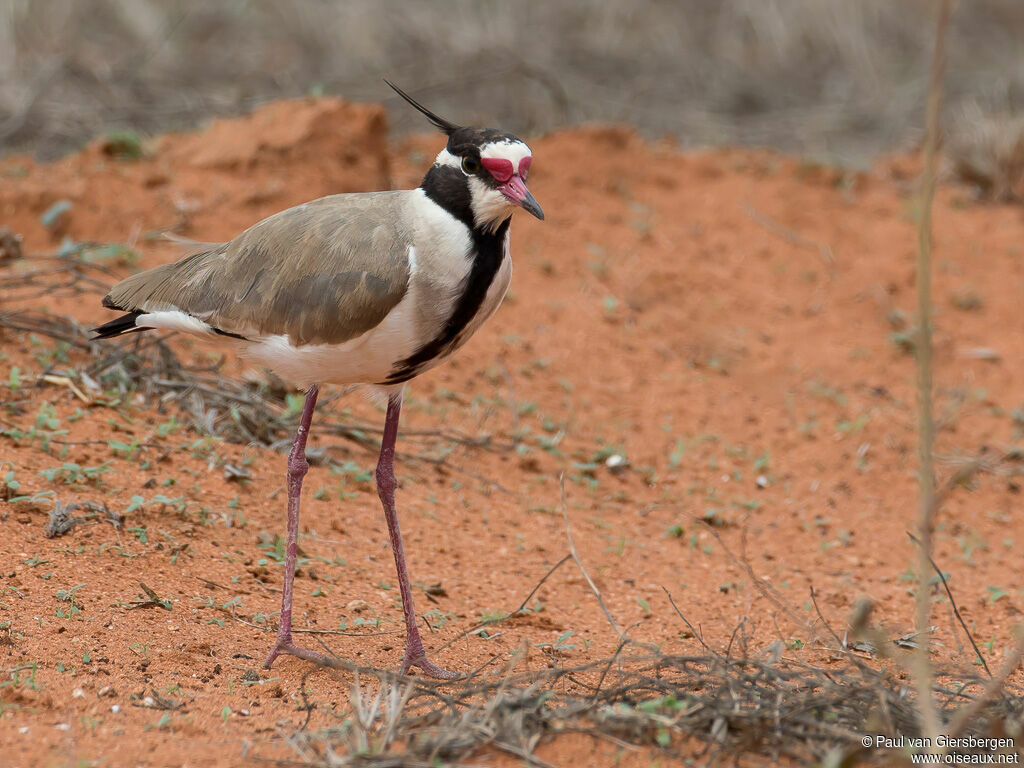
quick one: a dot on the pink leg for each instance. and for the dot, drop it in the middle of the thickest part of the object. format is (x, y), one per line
(297, 466)
(415, 655)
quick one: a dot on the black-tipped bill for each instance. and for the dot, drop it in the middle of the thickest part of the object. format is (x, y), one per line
(530, 205)
(516, 192)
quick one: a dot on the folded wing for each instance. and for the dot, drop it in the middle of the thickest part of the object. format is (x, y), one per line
(319, 273)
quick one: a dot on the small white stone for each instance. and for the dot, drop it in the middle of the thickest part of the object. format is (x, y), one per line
(78, 693)
(116, 708)
(616, 462)
(63, 726)
(762, 481)
(23, 730)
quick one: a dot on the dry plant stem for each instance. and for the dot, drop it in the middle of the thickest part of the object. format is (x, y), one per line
(767, 590)
(923, 678)
(509, 614)
(590, 582)
(992, 688)
(956, 610)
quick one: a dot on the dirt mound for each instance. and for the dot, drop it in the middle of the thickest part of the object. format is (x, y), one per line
(286, 152)
(734, 326)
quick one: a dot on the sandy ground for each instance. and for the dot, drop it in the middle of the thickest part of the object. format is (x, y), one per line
(728, 322)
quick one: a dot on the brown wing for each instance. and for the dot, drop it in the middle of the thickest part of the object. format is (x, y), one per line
(323, 272)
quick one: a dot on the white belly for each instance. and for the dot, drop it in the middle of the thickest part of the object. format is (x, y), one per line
(366, 359)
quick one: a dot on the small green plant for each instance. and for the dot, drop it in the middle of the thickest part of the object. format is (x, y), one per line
(274, 549)
(436, 619)
(169, 427)
(43, 431)
(561, 644)
(10, 486)
(17, 678)
(75, 474)
(126, 451)
(676, 456)
(349, 470)
(995, 593)
(163, 722)
(68, 596)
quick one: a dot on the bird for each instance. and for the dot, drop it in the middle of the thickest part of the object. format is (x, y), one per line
(367, 289)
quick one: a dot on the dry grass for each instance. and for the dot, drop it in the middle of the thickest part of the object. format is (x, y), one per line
(728, 704)
(832, 78)
(987, 152)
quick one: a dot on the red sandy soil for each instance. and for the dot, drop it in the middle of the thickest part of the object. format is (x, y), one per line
(723, 319)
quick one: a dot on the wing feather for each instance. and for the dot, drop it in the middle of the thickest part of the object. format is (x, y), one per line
(320, 273)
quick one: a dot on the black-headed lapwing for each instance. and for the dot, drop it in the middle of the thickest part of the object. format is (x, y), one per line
(370, 289)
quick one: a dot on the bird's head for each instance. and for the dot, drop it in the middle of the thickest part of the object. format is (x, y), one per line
(481, 172)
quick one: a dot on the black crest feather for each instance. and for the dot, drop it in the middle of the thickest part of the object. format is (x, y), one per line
(440, 123)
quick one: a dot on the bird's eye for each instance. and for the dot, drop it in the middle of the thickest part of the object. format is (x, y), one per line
(470, 166)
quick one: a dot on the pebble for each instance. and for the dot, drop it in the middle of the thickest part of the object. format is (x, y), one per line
(357, 605)
(616, 462)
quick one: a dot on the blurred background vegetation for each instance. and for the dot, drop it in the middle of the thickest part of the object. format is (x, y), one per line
(837, 80)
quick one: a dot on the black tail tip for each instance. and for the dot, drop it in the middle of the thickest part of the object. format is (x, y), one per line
(117, 326)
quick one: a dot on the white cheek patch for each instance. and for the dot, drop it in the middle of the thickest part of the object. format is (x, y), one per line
(444, 157)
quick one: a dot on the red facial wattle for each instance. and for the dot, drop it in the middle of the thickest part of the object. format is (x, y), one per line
(498, 167)
(511, 184)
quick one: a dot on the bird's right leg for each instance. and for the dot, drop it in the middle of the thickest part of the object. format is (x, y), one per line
(297, 466)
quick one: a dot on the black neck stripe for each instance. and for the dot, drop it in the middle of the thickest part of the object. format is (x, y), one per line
(449, 188)
(488, 253)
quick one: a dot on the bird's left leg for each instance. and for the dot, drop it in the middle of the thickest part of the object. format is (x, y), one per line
(415, 655)
(297, 466)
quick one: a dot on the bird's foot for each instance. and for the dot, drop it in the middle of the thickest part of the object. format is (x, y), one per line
(427, 667)
(285, 645)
